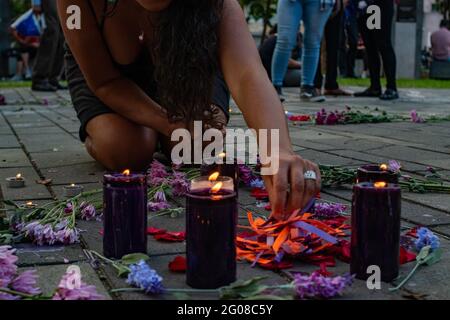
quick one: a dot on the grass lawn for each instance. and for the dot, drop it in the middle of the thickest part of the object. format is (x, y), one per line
(401, 83)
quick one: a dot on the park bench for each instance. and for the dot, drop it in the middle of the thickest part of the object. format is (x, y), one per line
(440, 70)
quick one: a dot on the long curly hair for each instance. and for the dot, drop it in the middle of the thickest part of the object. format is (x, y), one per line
(184, 52)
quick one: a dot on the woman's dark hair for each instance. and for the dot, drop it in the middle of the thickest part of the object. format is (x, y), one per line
(185, 53)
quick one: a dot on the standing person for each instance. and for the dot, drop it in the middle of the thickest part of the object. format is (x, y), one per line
(27, 30)
(333, 33)
(350, 38)
(379, 42)
(314, 14)
(50, 56)
(440, 42)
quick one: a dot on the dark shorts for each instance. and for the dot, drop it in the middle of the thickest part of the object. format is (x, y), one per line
(88, 106)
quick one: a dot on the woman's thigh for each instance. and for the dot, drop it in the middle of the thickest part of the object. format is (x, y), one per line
(120, 144)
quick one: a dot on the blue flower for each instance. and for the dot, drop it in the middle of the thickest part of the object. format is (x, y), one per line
(425, 237)
(145, 278)
(257, 183)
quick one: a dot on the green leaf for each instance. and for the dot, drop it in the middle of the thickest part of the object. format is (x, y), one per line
(243, 289)
(269, 297)
(433, 257)
(10, 203)
(134, 258)
(423, 254)
(122, 271)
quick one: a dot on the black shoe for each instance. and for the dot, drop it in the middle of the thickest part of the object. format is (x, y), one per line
(370, 93)
(389, 94)
(280, 93)
(309, 93)
(58, 85)
(43, 86)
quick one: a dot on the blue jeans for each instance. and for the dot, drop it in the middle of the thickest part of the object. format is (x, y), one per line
(290, 13)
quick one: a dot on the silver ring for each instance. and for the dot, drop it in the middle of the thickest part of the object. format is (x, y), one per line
(310, 175)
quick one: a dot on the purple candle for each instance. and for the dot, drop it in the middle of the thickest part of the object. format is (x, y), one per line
(376, 209)
(375, 173)
(222, 165)
(124, 214)
(211, 218)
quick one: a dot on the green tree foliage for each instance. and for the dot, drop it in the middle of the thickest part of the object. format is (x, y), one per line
(19, 6)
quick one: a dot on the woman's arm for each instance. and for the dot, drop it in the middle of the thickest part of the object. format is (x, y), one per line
(106, 82)
(257, 99)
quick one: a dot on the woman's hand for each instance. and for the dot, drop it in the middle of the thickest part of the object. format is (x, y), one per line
(288, 189)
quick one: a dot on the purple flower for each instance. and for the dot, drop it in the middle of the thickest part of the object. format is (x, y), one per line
(425, 237)
(8, 266)
(160, 196)
(245, 174)
(180, 185)
(88, 211)
(72, 288)
(145, 278)
(394, 165)
(319, 286)
(26, 283)
(257, 183)
(329, 210)
(157, 206)
(68, 236)
(69, 208)
(157, 173)
(416, 118)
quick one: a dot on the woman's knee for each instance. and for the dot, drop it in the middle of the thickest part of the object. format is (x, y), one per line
(121, 144)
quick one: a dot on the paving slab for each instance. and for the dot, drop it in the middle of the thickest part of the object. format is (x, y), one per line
(31, 191)
(13, 158)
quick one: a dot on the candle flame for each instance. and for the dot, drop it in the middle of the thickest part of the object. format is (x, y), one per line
(19, 176)
(216, 188)
(126, 172)
(214, 176)
(380, 184)
(222, 155)
(29, 203)
(383, 167)
(72, 185)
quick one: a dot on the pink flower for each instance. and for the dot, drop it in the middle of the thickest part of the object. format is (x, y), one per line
(394, 165)
(157, 206)
(157, 173)
(69, 208)
(26, 283)
(72, 288)
(160, 196)
(416, 118)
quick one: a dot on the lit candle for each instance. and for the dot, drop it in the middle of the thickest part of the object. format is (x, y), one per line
(211, 218)
(374, 173)
(376, 209)
(72, 190)
(226, 167)
(28, 205)
(16, 182)
(124, 214)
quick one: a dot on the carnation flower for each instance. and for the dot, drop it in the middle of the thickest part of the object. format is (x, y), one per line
(72, 288)
(8, 266)
(143, 277)
(157, 173)
(257, 183)
(416, 118)
(319, 286)
(69, 208)
(157, 206)
(394, 165)
(245, 174)
(88, 211)
(160, 196)
(425, 237)
(329, 210)
(26, 283)
(179, 183)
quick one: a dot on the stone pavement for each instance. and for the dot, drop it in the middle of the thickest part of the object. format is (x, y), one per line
(39, 138)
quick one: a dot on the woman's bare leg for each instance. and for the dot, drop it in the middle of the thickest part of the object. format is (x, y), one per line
(120, 144)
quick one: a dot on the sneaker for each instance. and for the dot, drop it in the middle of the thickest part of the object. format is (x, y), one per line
(280, 93)
(369, 93)
(311, 94)
(43, 86)
(389, 94)
(16, 78)
(28, 74)
(58, 85)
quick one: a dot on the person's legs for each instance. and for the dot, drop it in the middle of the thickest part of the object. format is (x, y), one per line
(314, 18)
(289, 15)
(352, 40)
(48, 46)
(333, 33)
(384, 43)
(120, 144)
(373, 58)
(318, 79)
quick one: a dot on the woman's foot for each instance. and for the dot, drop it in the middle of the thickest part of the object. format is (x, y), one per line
(389, 94)
(309, 93)
(369, 93)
